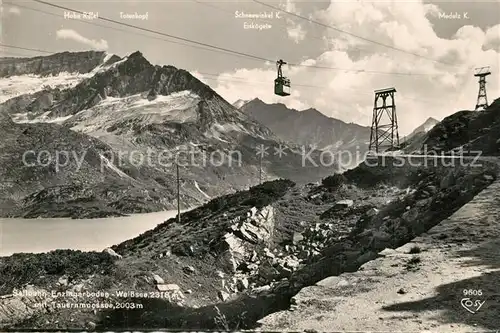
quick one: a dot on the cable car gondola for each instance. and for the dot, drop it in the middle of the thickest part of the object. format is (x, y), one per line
(281, 84)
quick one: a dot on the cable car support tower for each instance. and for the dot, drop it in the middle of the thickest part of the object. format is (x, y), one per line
(384, 130)
(482, 100)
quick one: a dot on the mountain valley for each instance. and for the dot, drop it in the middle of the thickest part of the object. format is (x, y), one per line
(253, 243)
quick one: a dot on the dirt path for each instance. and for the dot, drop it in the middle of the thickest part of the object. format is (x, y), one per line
(391, 294)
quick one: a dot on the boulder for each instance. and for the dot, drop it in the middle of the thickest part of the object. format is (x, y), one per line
(365, 257)
(291, 263)
(188, 269)
(380, 240)
(268, 253)
(242, 284)
(253, 267)
(253, 211)
(234, 244)
(254, 256)
(63, 280)
(262, 289)
(423, 203)
(252, 233)
(91, 325)
(283, 271)
(488, 177)
(267, 271)
(229, 261)
(410, 215)
(431, 189)
(343, 204)
(235, 253)
(173, 292)
(448, 180)
(297, 238)
(223, 296)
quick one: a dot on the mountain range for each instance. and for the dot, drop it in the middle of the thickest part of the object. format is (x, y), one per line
(127, 122)
(310, 127)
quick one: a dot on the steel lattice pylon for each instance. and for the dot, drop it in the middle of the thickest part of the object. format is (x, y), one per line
(482, 99)
(384, 132)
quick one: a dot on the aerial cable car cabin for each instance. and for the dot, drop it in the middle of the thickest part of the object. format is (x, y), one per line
(281, 84)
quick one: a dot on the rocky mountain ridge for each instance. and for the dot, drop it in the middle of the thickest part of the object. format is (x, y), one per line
(310, 127)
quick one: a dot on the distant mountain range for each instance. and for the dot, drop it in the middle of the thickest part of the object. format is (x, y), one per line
(110, 114)
(309, 127)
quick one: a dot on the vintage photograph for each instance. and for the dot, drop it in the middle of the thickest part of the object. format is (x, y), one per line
(262, 165)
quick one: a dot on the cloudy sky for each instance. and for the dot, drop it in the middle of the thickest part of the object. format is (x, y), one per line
(409, 45)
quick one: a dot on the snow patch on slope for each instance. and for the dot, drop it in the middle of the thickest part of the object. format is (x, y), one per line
(17, 85)
(14, 86)
(217, 131)
(178, 107)
(113, 65)
(22, 118)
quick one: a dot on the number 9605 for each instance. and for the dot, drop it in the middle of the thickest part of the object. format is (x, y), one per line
(473, 292)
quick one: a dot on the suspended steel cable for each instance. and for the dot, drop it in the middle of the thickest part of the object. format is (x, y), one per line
(217, 77)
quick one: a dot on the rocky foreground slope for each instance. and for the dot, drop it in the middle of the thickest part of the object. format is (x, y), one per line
(445, 280)
(310, 127)
(241, 256)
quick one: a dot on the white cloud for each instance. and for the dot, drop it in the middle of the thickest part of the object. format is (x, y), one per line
(295, 30)
(432, 9)
(73, 35)
(14, 10)
(348, 95)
